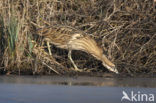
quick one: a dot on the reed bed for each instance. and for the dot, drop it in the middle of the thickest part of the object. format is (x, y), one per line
(126, 29)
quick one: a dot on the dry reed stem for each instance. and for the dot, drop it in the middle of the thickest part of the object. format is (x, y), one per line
(125, 29)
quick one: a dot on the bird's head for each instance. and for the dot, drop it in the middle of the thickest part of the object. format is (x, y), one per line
(109, 65)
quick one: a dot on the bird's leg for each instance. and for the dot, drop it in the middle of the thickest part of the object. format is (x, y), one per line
(75, 67)
(49, 48)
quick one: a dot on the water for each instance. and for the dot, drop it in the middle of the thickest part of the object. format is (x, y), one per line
(54, 89)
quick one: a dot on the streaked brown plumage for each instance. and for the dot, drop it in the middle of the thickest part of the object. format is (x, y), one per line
(72, 39)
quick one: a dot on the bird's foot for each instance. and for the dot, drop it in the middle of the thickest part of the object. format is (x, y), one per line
(78, 70)
(84, 70)
(89, 70)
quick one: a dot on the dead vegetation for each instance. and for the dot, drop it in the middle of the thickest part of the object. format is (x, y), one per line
(126, 29)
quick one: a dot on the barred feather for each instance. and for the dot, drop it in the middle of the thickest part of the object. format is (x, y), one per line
(68, 38)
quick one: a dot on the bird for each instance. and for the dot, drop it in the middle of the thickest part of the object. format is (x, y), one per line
(69, 38)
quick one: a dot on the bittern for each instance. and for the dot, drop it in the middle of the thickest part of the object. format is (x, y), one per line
(72, 39)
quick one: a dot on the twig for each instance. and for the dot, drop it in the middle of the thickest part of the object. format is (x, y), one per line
(142, 47)
(50, 68)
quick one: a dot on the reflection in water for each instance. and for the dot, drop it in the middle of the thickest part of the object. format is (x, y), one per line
(54, 89)
(82, 80)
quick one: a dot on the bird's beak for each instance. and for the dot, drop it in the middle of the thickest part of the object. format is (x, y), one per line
(115, 70)
(111, 68)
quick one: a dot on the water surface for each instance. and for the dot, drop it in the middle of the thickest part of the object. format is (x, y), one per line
(54, 89)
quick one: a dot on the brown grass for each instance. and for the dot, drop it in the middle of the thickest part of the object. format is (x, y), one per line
(125, 29)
